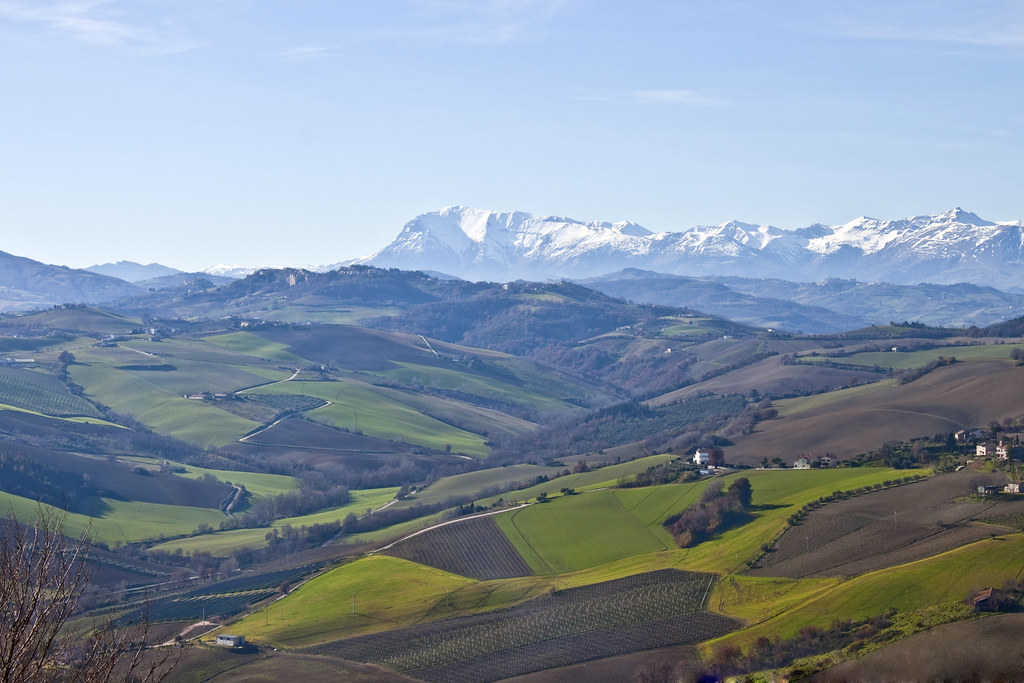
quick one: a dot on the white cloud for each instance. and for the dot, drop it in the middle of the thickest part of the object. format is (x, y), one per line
(98, 22)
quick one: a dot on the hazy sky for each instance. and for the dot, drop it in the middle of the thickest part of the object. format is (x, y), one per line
(289, 132)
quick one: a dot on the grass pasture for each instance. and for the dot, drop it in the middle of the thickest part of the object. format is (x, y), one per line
(369, 595)
(252, 344)
(161, 409)
(223, 543)
(577, 532)
(944, 579)
(359, 409)
(475, 484)
(470, 383)
(122, 521)
(582, 481)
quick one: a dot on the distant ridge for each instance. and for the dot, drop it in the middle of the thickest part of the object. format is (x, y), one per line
(951, 247)
(131, 271)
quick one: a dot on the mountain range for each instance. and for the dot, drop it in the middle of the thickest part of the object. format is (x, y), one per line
(951, 247)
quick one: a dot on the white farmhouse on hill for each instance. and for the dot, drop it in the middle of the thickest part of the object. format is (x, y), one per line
(702, 457)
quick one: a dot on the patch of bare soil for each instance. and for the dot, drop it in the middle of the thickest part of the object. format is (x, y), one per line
(986, 649)
(885, 528)
(615, 669)
(846, 424)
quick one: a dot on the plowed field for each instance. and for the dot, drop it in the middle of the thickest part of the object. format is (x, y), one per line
(886, 528)
(476, 548)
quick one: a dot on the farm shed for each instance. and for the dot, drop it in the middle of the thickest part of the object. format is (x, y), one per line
(230, 641)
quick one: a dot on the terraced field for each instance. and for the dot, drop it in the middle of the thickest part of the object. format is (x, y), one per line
(476, 548)
(565, 627)
(885, 528)
(40, 393)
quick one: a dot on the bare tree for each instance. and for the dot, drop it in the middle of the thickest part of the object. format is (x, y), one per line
(42, 577)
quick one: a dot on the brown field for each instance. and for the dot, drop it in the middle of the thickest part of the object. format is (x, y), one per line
(225, 666)
(885, 528)
(770, 376)
(476, 548)
(615, 669)
(857, 420)
(986, 649)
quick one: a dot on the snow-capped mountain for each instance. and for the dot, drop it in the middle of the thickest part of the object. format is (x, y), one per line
(955, 246)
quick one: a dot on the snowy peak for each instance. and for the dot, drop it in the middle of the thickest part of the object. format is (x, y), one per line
(953, 246)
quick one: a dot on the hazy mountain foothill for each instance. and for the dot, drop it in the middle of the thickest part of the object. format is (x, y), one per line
(620, 456)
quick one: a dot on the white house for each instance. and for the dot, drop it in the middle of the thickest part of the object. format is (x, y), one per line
(802, 464)
(230, 641)
(702, 457)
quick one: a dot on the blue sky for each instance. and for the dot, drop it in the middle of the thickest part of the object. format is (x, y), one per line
(288, 132)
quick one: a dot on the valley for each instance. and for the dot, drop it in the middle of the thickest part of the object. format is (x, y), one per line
(439, 480)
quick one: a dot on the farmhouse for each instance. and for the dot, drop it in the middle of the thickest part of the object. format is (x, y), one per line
(230, 641)
(984, 450)
(1012, 487)
(802, 464)
(1004, 450)
(702, 457)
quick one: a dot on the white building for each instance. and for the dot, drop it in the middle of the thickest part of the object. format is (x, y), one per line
(702, 457)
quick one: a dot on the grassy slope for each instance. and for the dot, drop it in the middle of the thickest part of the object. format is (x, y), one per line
(164, 411)
(388, 592)
(941, 580)
(359, 409)
(577, 532)
(583, 481)
(914, 359)
(124, 521)
(223, 543)
(597, 536)
(254, 345)
(444, 378)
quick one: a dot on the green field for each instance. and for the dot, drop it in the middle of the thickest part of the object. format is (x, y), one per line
(579, 532)
(163, 410)
(472, 484)
(123, 521)
(361, 410)
(223, 543)
(443, 378)
(583, 481)
(573, 541)
(43, 394)
(903, 360)
(256, 483)
(387, 592)
(944, 579)
(254, 345)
